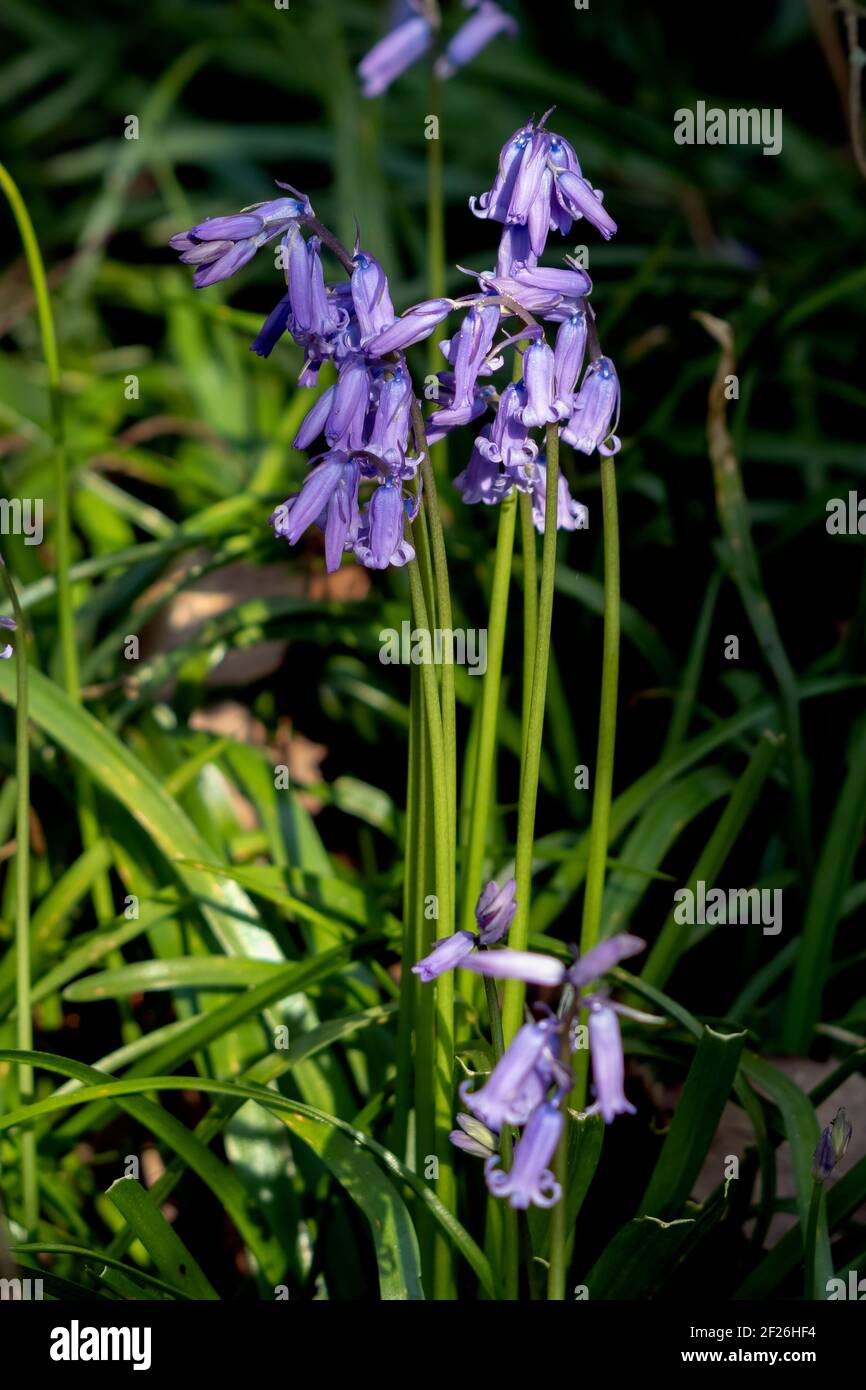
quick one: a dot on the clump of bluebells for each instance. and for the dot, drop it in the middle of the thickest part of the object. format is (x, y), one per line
(529, 1083)
(369, 419)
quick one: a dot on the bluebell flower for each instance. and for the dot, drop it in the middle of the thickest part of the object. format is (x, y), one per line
(515, 251)
(313, 422)
(380, 540)
(371, 296)
(389, 436)
(482, 480)
(579, 199)
(543, 406)
(532, 967)
(530, 1180)
(328, 498)
(509, 443)
(568, 354)
(603, 958)
(494, 911)
(608, 1063)
(596, 410)
(219, 246)
(488, 21)
(412, 327)
(539, 185)
(345, 427)
(446, 954)
(467, 351)
(511, 1092)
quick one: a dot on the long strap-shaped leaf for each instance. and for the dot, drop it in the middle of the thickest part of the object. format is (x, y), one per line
(282, 1105)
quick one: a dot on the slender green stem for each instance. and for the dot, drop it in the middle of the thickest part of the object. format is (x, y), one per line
(600, 829)
(811, 1240)
(512, 1007)
(558, 1234)
(502, 1224)
(530, 602)
(443, 618)
(435, 239)
(598, 844)
(444, 985)
(24, 1015)
(599, 834)
(408, 982)
(63, 543)
(486, 752)
(102, 899)
(423, 851)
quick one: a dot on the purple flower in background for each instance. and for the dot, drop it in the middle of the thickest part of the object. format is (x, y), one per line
(494, 911)
(608, 1064)
(603, 958)
(10, 626)
(530, 1182)
(448, 953)
(529, 966)
(596, 410)
(480, 29)
(511, 1091)
(393, 54)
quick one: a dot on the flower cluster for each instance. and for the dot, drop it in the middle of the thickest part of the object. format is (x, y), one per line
(539, 188)
(367, 424)
(364, 418)
(413, 34)
(529, 1083)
